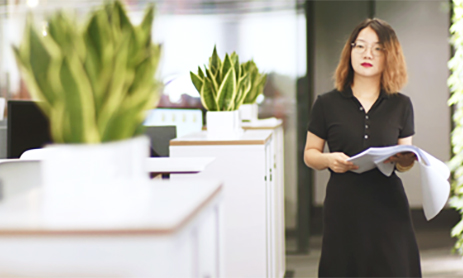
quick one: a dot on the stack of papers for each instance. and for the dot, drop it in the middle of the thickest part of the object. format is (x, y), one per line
(434, 173)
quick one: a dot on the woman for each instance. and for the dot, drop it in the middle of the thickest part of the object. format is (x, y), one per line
(367, 225)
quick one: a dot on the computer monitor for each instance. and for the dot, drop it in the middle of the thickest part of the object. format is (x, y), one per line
(27, 127)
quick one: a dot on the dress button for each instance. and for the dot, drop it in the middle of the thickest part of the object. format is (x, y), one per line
(361, 108)
(366, 136)
(366, 126)
(366, 117)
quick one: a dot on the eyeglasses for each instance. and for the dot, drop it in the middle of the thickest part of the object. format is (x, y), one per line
(361, 47)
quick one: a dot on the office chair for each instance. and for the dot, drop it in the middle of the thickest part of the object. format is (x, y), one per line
(160, 137)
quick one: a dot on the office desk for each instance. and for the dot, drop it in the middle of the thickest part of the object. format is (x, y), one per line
(172, 231)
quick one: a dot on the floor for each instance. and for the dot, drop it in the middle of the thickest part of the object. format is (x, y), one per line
(435, 247)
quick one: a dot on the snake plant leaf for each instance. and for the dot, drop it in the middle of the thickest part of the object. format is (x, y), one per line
(41, 65)
(227, 64)
(236, 64)
(207, 96)
(64, 34)
(147, 25)
(99, 36)
(79, 102)
(116, 85)
(132, 110)
(58, 120)
(144, 81)
(98, 77)
(218, 76)
(100, 52)
(227, 91)
(197, 81)
(257, 81)
(214, 62)
(200, 73)
(121, 14)
(135, 39)
(244, 90)
(214, 91)
(211, 76)
(260, 86)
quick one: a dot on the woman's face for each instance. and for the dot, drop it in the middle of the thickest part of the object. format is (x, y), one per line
(367, 55)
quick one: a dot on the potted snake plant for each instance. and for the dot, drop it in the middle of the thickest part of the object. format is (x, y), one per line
(249, 109)
(95, 82)
(223, 87)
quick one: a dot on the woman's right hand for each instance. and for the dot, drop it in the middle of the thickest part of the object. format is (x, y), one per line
(338, 163)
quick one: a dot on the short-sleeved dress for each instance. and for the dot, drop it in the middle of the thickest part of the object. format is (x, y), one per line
(367, 225)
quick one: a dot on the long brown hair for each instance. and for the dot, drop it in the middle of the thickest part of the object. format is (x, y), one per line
(394, 75)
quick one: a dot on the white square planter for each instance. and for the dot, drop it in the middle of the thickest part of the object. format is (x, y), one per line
(223, 124)
(248, 112)
(79, 179)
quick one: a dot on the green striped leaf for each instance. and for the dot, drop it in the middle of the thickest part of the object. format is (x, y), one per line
(78, 101)
(197, 81)
(245, 88)
(214, 62)
(236, 64)
(200, 73)
(211, 76)
(207, 96)
(227, 64)
(227, 92)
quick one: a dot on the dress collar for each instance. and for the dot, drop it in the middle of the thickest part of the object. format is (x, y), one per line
(347, 93)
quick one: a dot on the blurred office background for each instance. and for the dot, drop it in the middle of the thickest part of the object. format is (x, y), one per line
(298, 44)
(273, 33)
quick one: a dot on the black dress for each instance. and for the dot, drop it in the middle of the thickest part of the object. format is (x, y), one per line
(367, 225)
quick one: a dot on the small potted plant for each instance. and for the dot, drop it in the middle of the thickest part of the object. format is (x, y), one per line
(223, 87)
(249, 109)
(95, 83)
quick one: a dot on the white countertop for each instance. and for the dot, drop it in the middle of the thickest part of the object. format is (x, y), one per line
(157, 206)
(168, 165)
(249, 137)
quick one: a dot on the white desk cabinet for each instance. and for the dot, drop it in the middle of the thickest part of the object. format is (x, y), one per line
(173, 232)
(276, 126)
(245, 165)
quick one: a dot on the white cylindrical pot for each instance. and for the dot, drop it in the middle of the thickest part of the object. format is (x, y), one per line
(249, 112)
(92, 182)
(223, 124)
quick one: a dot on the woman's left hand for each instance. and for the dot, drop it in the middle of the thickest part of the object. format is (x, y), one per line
(404, 159)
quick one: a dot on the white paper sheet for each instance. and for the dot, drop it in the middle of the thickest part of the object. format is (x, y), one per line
(434, 173)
